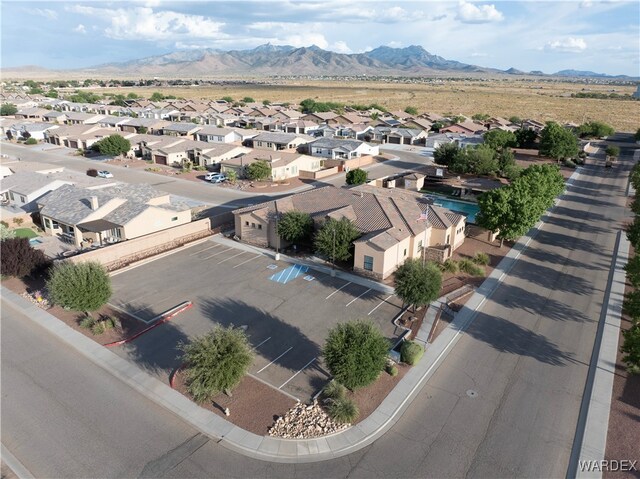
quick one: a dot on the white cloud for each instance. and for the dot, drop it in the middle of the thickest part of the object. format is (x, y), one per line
(567, 45)
(340, 47)
(479, 55)
(45, 12)
(80, 28)
(142, 23)
(470, 13)
(586, 4)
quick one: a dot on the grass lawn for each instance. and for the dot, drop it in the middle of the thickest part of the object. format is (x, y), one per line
(25, 233)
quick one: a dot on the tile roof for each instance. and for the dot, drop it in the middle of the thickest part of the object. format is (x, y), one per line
(332, 143)
(25, 183)
(277, 137)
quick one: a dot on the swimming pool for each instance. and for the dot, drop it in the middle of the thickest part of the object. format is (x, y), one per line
(34, 241)
(468, 209)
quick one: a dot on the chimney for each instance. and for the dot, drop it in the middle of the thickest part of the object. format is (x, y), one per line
(93, 201)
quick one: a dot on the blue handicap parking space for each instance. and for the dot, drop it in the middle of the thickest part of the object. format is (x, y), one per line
(289, 274)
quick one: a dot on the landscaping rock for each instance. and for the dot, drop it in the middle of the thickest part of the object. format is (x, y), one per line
(37, 299)
(304, 422)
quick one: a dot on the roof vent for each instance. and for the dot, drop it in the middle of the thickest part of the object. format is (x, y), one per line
(93, 201)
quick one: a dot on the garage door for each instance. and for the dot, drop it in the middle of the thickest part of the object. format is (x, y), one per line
(161, 160)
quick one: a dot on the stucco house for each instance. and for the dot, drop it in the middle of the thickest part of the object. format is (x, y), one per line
(341, 149)
(284, 165)
(118, 213)
(279, 141)
(395, 225)
(216, 134)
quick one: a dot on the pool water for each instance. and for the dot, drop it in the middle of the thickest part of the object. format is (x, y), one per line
(468, 209)
(34, 241)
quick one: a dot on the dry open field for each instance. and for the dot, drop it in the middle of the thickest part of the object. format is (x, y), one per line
(538, 100)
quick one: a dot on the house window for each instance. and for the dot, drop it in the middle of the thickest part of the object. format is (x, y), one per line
(405, 251)
(420, 245)
(23, 199)
(47, 223)
(368, 263)
(55, 225)
(259, 226)
(246, 223)
(175, 218)
(11, 195)
(447, 242)
(253, 225)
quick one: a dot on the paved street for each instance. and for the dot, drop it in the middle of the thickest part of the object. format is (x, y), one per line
(504, 403)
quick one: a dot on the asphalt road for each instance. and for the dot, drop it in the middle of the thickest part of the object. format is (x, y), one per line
(504, 403)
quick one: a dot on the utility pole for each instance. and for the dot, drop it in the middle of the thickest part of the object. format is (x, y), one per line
(333, 258)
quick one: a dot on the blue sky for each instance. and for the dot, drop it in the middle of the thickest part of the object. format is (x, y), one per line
(602, 36)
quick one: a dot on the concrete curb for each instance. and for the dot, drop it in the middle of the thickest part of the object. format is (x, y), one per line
(286, 450)
(14, 464)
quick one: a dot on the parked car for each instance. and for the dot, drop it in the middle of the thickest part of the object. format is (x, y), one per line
(215, 177)
(105, 174)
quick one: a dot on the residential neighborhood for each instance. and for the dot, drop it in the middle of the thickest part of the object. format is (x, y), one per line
(240, 240)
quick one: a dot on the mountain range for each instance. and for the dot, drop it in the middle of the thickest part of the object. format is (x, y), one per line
(269, 60)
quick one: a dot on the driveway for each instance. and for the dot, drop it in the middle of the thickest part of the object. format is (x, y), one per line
(286, 310)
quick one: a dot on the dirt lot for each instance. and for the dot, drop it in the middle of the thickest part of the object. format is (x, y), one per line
(541, 101)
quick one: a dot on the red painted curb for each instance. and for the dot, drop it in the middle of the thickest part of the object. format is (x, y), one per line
(180, 308)
(172, 376)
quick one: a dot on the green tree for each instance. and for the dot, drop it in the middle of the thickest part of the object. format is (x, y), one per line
(481, 160)
(79, 286)
(595, 129)
(142, 130)
(634, 177)
(8, 109)
(157, 96)
(633, 271)
(557, 142)
(308, 105)
(6, 233)
(612, 151)
(31, 141)
(335, 238)
(132, 96)
(228, 99)
(266, 102)
(355, 353)
(633, 233)
(112, 145)
(356, 176)
(18, 258)
(525, 137)
(232, 176)
(631, 305)
(480, 117)
(631, 349)
(418, 284)
(446, 154)
(500, 139)
(437, 125)
(216, 362)
(258, 170)
(248, 99)
(411, 110)
(294, 226)
(515, 120)
(51, 94)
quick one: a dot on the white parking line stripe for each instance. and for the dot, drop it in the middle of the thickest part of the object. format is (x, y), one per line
(304, 367)
(256, 347)
(343, 286)
(216, 254)
(357, 297)
(231, 257)
(275, 360)
(244, 262)
(205, 249)
(381, 303)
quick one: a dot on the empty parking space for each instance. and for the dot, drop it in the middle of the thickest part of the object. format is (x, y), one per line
(286, 310)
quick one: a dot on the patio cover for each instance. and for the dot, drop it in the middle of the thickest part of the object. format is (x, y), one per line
(97, 226)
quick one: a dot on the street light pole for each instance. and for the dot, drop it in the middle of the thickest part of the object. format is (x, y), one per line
(333, 258)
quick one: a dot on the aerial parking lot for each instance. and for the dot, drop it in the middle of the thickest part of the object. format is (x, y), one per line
(286, 310)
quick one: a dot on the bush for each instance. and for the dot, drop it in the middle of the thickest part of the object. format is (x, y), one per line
(31, 141)
(631, 349)
(392, 370)
(612, 151)
(258, 170)
(334, 390)
(481, 258)
(18, 221)
(79, 286)
(6, 233)
(343, 410)
(87, 322)
(232, 176)
(449, 266)
(18, 258)
(294, 226)
(112, 145)
(355, 353)
(200, 168)
(469, 267)
(98, 328)
(411, 352)
(569, 163)
(216, 362)
(356, 177)
(187, 166)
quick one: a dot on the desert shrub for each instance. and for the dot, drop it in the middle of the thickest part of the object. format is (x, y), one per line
(6, 233)
(334, 390)
(4, 223)
(343, 410)
(18, 221)
(232, 176)
(631, 349)
(449, 266)
(391, 370)
(87, 322)
(469, 267)
(569, 163)
(79, 286)
(200, 168)
(355, 353)
(31, 141)
(411, 352)
(216, 361)
(481, 258)
(18, 258)
(98, 328)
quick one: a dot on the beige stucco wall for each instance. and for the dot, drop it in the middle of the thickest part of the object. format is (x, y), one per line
(155, 219)
(384, 262)
(251, 232)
